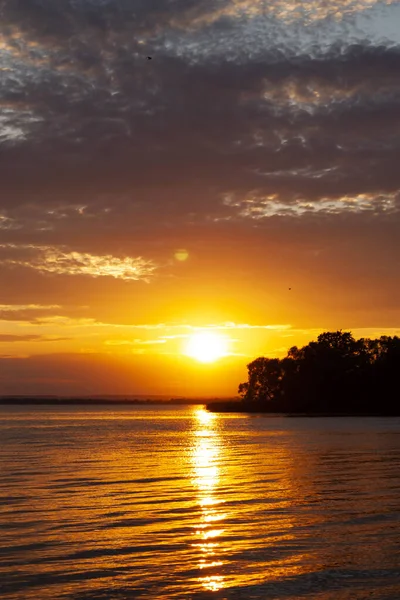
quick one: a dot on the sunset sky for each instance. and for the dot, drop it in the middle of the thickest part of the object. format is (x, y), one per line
(244, 182)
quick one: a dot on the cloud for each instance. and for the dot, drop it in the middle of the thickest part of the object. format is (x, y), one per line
(259, 206)
(99, 117)
(136, 342)
(246, 326)
(57, 261)
(25, 307)
(34, 313)
(6, 338)
(307, 11)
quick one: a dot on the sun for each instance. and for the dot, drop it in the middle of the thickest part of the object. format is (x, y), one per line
(206, 346)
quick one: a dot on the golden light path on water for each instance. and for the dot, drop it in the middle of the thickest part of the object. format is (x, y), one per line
(237, 515)
(206, 472)
(113, 504)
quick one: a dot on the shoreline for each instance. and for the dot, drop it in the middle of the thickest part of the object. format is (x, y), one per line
(236, 408)
(40, 401)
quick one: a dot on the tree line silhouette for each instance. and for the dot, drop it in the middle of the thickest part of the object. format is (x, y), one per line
(335, 374)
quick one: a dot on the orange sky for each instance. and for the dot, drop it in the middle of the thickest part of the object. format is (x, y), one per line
(142, 202)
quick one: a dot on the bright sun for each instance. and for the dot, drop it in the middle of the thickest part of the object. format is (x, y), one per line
(206, 346)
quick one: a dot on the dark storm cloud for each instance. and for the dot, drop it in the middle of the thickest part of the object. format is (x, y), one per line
(247, 110)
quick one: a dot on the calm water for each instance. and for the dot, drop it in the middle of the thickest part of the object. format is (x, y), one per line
(100, 503)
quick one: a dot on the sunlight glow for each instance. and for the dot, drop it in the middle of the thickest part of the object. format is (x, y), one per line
(207, 346)
(204, 417)
(206, 472)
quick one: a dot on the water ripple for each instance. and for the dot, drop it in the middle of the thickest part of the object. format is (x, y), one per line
(165, 503)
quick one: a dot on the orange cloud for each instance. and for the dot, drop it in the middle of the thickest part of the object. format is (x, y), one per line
(288, 11)
(50, 259)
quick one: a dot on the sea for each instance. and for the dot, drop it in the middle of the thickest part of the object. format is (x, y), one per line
(175, 502)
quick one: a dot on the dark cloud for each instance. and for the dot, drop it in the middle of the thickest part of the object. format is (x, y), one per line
(250, 115)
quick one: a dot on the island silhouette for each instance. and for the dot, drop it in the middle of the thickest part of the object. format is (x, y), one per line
(335, 375)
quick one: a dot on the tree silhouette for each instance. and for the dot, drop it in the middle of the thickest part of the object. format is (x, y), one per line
(335, 374)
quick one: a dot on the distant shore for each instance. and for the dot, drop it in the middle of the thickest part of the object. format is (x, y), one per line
(218, 406)
(93, 401)
(241, 408)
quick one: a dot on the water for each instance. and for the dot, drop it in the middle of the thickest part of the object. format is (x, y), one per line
(102, 503)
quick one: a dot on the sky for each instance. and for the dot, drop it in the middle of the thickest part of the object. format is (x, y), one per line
(244, 180)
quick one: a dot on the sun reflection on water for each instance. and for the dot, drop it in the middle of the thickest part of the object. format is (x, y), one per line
(206, 477)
